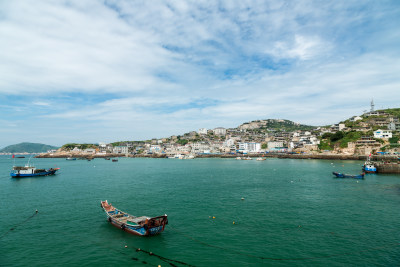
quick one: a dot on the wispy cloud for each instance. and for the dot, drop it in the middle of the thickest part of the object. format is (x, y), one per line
(111, 70)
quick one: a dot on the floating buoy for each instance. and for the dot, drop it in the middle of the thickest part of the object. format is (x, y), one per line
(242, 198)
(37, 211)
(233, 223)
(138, 249)
(126, 246)
(213, 217)
(150, 253)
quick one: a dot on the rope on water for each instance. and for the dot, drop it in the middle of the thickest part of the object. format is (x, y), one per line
(18, 224)
(171, 262)
(284, 259)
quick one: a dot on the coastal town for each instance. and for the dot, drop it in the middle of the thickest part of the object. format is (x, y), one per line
(374, 132)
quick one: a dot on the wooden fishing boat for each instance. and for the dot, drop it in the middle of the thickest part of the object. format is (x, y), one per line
(343, 175)
(143, 225)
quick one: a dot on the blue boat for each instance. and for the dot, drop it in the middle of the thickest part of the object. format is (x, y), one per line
(368, 166)
(30, 171)
(343, 175)
(142, 226)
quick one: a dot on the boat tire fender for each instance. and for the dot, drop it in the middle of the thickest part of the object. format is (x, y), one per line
(109, 219)
(123, 226)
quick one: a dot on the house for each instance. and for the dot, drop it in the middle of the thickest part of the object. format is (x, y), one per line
(90, 151)
(219, 131)
(202, 131)
(383, 134)
(338, 127)
(355, 118)
(120, 150)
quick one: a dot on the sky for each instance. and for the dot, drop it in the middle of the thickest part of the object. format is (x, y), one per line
(104, 71)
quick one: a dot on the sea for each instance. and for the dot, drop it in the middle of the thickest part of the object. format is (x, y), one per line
(221, 212)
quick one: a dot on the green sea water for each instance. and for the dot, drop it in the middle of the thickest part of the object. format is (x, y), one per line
(294, 213)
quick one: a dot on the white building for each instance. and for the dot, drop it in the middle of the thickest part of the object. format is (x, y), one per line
(89, 151)
(249, 147)
(202, 131)
(200, 147)
(355, 118)
(228, 143)
(219, 131)
(383, 134)
(274, 145)
(120, 150)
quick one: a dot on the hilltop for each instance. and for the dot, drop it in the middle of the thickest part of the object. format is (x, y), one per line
(275, 125)
(26, 147)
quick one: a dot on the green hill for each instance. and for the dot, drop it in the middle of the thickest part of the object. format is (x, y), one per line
(27, 147)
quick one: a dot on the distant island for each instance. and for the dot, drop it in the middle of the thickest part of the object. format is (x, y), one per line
(26, 147)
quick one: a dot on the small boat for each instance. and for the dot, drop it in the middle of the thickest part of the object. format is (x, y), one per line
(343, 175)
(69, 158)
(248, 158)
(114, 160)
(368, 166)
(143, 225)
(238, 158)
(20, 157)
(260, 158)
(30, 171)
(107, 158)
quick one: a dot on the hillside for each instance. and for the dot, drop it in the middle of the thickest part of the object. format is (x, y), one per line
(278, 125)
(27, 148)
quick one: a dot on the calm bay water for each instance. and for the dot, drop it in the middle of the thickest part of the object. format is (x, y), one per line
(294, 213)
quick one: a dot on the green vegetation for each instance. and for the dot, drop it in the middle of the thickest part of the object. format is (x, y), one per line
(71, 146)
(264, 145)
(324, 145)
(182, 141)
(393, 111)
(340, 138)
(27, 148)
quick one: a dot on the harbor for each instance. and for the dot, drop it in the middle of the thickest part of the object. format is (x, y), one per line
(298, 211)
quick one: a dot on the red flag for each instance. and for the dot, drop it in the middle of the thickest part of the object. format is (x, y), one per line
(13, 156)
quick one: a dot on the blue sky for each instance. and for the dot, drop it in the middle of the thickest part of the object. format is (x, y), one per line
(103, 71)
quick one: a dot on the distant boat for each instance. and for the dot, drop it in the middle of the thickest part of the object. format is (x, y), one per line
(107, 158)
(142, 226)
(30, 171)
(343, 175)
(114, 160)
(20, 157)
(69, 158)
(238, 158)
(260, 158)
(248, 158)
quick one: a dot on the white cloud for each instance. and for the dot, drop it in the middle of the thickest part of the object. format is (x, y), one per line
(153, 68)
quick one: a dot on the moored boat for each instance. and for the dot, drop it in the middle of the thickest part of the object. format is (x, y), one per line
(30, 171)
(368, 166)
(70, 158)
(142, 226)
(260, 158)
(343, 175)
(114, 160)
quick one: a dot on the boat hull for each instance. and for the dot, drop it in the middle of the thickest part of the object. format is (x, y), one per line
(343, 175)
(46, 173)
